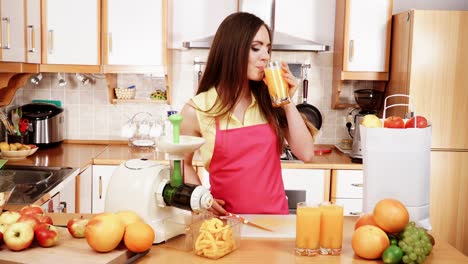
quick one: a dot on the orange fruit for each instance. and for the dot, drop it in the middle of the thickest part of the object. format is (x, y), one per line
(128, 216)
(391, 215)
(369, 242)
(365, 219)
(138, 237)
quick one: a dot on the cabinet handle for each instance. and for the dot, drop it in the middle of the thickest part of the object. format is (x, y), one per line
(354, 213)
(357, 184)
(7, 32)
(109, 44)
(51, 41)
(100, 187)
(32, 39)
(351, 51)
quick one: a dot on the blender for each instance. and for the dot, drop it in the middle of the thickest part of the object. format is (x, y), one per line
(369, 102)
(157, 192)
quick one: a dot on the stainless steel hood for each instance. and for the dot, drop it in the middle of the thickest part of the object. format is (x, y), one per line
(265, 9)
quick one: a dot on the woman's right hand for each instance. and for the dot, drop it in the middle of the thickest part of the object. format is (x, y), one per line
(217, 207)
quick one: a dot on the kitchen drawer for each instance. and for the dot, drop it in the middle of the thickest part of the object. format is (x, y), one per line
(351, 206)
(347, 184)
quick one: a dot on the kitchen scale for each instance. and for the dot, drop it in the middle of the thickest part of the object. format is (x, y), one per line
(157, 192)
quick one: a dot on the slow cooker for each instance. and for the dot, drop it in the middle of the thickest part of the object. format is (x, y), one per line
(47, 123)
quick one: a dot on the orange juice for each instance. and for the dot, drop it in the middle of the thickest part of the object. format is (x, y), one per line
(307, 229)
(331, 228)
(277, 85)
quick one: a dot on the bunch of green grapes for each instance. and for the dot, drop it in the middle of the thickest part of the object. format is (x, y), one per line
(415, 243)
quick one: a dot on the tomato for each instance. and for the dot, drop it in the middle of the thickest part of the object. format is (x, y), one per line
(421, 122)
(392, 255)
(394, 122)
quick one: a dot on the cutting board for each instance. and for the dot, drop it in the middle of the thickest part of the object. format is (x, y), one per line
(283, 226)
(69, 250)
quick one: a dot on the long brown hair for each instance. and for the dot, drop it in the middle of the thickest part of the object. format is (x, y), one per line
(226, 69)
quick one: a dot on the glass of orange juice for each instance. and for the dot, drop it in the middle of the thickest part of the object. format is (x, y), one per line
(277, 85)
(331, 228)
(308, 229)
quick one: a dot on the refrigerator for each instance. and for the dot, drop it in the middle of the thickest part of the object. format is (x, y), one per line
(429, 62)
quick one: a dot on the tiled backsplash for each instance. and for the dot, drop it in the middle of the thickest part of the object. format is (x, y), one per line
(89, 114)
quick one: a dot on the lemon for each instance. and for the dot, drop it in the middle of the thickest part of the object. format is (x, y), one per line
(371, 121)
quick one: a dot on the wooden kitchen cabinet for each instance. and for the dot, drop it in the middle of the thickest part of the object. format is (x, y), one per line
(12, 31)
(101, 177)
(133, 36)
(347, 189)
(361, 44)
(71, 36)
(33, 31)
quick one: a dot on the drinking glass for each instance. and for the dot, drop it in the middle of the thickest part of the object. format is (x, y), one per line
(308, 229)
(277, 85)
(331, 228)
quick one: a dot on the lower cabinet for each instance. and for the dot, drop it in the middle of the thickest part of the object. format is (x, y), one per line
(347, 189)
(100, 182)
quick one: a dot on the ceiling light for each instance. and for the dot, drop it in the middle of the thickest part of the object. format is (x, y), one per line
(36, 79)
(61, 81)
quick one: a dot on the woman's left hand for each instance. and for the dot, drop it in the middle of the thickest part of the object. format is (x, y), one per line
(290, 79)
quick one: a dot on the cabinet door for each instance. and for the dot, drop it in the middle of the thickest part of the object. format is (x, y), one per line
(33, 31)
(347, 184)
(71, 35)
(12, 31)
(313, 182)
(368, 34)
(101, 178)
(135, 32)
(86, 192)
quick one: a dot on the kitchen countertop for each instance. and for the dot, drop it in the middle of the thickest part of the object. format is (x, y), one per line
(281, 250)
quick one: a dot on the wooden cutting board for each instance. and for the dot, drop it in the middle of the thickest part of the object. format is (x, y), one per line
(69, 250)
(283, 226)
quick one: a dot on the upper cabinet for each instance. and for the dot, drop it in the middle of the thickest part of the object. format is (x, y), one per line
(33, 31)
(362, 42)
(12, 31)
(71, 35)
(133, 34)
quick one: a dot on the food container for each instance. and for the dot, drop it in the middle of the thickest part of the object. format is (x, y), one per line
(203, 234)
(125, 93)
(6, 189)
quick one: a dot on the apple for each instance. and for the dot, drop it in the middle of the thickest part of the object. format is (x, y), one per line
(44, 219)
(104, 232)
(421, 122)
(3, 228)
(30, 219)
(394, 122)
(9, 217)
(46, 235)
(31, 209)
(18, 236)
(77, 226)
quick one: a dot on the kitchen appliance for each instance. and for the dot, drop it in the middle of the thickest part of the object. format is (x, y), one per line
(369, 101)
(265, 9)
(47, 123)
(157, 192)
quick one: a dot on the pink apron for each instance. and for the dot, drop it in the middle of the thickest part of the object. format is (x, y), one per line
(245, 170)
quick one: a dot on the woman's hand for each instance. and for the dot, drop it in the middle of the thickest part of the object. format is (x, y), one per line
(290, 79)
(217, 207)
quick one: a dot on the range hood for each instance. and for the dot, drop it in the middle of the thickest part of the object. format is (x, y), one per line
(265, 9)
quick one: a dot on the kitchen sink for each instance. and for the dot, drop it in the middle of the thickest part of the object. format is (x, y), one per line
(32, 182)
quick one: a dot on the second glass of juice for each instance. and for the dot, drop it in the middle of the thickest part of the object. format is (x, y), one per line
(331, 229)
(308, 229)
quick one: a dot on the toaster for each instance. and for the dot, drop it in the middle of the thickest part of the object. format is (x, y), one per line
(46, 123)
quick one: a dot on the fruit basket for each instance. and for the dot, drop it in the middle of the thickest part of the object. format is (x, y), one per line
(125, 93)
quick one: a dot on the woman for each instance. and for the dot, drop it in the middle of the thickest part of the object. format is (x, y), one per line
(244, 133)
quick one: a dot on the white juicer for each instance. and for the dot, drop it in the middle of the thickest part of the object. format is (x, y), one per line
(156, 192)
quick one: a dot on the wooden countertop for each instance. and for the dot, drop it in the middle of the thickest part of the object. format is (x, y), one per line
(282, 251)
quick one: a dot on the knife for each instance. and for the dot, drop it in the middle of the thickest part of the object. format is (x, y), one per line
(247, 222)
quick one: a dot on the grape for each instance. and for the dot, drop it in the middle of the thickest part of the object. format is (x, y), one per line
(415, 244)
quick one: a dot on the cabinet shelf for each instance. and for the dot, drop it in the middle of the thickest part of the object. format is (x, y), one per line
(139, 100)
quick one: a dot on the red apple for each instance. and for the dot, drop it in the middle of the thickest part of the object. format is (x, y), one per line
(3, 228)
(9, 217)
(31, 209)
(44, 219)
(394, 122)
(30, 219)
(421, 122)
(18, 236)
(77, 226)
(46, 235)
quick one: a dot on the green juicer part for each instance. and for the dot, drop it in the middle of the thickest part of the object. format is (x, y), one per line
(176, 177)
